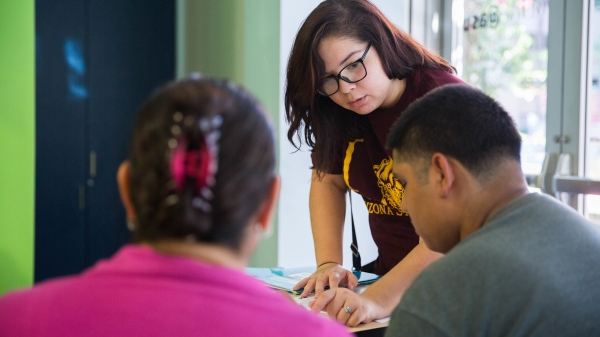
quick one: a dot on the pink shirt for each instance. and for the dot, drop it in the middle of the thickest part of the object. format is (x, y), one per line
(139, 292)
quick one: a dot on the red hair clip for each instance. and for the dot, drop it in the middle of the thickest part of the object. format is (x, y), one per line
(199, 164)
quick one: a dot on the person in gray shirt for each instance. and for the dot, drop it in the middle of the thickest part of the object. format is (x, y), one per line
(516, 263)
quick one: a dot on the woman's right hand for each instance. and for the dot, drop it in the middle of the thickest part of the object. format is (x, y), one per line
(328, 274)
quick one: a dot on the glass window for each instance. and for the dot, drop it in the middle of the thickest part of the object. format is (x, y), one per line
(504, 53)
(592, 118)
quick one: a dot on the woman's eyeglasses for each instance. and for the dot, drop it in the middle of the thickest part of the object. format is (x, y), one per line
(351, 73)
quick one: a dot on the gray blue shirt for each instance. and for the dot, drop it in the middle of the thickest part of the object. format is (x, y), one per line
(532, 270)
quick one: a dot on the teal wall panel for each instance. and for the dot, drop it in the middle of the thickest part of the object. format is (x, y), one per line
(237, 40)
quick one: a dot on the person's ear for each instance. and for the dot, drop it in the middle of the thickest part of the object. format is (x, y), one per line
(123, 180)
(263, 217)
(442, 173)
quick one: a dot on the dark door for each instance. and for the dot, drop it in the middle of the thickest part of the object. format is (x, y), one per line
(96, 61)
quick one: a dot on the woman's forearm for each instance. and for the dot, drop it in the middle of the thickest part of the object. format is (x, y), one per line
(327, 203)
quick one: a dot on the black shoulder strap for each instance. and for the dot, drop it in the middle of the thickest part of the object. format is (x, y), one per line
(356, 264)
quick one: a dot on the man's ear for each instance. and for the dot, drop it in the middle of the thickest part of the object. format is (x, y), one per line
(123, 180)
(441, 173)
(263, 217)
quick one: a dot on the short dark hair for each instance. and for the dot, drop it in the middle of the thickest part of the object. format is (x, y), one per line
(458, 121)
(316, 119)
(245, 161)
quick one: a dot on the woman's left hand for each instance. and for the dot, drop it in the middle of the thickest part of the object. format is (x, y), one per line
(345, 306)
(381, 297)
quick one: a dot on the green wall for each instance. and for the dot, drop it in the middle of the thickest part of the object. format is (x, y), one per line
(261, 77)
(17, 143)
(238, 40)
(212, 38)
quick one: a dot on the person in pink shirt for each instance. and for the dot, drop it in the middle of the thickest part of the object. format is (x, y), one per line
(199, 188)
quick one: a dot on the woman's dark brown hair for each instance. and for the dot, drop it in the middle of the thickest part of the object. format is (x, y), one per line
(325, 124)
(246, 162)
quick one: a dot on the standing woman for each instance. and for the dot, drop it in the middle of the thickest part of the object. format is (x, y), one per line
(350, 75)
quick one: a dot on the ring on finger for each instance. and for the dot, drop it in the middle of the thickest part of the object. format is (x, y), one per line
(348, 309)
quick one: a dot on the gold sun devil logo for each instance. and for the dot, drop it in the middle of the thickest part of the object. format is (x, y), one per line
(391, 190)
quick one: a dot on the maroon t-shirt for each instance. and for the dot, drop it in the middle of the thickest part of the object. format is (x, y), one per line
(366, 165)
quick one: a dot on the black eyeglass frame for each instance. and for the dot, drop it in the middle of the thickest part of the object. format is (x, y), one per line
(338, 77)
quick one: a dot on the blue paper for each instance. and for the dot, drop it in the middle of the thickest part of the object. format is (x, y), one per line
(287, 278)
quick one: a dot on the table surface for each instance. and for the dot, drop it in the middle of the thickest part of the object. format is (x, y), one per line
(369, 326)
